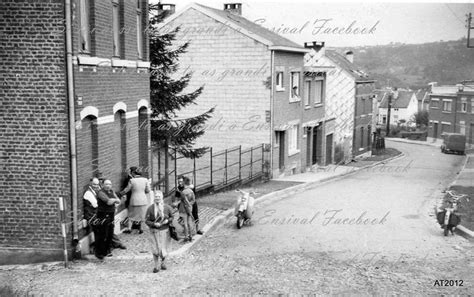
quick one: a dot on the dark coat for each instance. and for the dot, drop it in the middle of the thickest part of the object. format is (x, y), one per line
(150, 218)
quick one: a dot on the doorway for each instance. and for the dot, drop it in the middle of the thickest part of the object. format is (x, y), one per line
(281, 143)
(471, 134)
(328, 149)
(316, 145)
(308, 147)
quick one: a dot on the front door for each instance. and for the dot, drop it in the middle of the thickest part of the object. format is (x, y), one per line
(328, 149)
(281, 139)
(315, 146)
(435, 130)
(471, 134)
(308, 147)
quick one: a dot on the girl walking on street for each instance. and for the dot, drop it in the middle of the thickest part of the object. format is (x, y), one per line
(159, 217)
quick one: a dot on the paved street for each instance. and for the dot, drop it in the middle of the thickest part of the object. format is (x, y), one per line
(369, 233)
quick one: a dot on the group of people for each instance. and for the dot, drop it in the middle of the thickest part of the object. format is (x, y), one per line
(100, 202)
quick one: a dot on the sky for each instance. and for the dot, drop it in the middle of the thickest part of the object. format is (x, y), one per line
(335, 22)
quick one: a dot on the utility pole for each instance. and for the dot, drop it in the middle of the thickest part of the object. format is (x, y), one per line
(390, 96)
(469, 28)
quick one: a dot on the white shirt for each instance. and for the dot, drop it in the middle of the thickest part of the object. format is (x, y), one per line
(90, 195)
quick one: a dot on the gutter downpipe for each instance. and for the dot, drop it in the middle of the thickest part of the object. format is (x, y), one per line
(272, 115)
(72, 126)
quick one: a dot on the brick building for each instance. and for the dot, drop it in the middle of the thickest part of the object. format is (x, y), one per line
(349, 103)
(255, 80)
(75, 101)
(451, 110)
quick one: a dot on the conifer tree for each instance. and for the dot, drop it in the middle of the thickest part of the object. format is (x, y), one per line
(167, 98)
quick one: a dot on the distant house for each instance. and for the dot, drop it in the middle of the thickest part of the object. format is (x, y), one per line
(255, 80)
(349, 101)
(452, 110)
(404, 106)
(423, 97)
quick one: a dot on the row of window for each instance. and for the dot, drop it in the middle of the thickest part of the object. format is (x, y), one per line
(117, 31)
(447, 127)
(447, 104)
(313, 89)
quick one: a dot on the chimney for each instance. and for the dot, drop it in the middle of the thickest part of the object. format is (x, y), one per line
(350, 56)
(432, 84)
(167, 9)
(317, 46)
(395, 93)
(235, 8)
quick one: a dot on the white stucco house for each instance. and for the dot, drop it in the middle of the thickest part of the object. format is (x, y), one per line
(404, 106)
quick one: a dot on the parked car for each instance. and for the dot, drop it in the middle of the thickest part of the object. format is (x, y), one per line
(453, 143)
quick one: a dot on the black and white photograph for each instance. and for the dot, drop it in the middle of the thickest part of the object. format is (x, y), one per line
(212, 147)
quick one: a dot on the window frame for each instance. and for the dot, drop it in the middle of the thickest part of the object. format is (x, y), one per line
(84, 27)
(307, 93)
(279, 77)
(295, 97)
(116, 28)
(321, 101)
(433, 100)
(140, 37)
(463, 104)
(445, 103)
(293, 143)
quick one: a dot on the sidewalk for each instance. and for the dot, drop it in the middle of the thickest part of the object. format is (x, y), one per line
(464, 184)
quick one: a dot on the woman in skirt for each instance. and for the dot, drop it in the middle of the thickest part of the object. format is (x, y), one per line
(137, 207)
(158, 217)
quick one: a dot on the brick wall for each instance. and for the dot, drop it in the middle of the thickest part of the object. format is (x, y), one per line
(233, 69)
(101, 29)
(363, 118)
(339, 104)
(459, 121)
(286, 112)
(34, 169)
(102, 88)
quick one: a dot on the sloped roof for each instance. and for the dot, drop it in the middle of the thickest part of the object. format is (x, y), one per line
(380, 94)
(402, 101)
(349, 67)
(244, 26)
(420, 94)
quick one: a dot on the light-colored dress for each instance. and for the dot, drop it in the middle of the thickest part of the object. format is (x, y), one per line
(139, 199)
(159, 237)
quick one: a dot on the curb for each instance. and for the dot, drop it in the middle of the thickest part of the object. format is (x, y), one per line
(43, 266)
(413, 142)
(465, 232)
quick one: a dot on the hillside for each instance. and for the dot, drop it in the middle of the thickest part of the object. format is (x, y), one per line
(415, 65)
